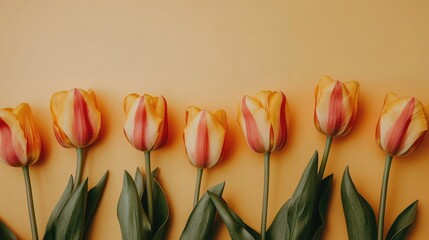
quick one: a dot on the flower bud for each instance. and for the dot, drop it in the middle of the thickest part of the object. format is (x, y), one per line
(263, 120)
(401, 126)
(76, 117)
(204, 136)
(336, 106)
(20, 143)
(146, 123)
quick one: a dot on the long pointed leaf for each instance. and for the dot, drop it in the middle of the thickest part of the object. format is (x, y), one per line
(132, 219)
(402, 224)
(236, 229)
(50, 228)
(70, 221)
(296, 215)
(322, 206)
(199, 224)
(6, 233)
(161, 210)
(360, 217)
(94, 196)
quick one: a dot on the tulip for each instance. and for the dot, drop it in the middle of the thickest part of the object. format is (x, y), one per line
(146, 125)
(335, 111)
(336, 106)
(146, 128)
(20, 146)
(19, 139)
(76, 122)
(400, 130)
(401, 126)
(263, 120)
(204, 138)
(76, 118)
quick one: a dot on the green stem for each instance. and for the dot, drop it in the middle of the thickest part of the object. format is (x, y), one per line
(265, 197)
(79, 166)
(198, 186)
(325, 156)
(149, 187)
(383, 196)
(30, 202)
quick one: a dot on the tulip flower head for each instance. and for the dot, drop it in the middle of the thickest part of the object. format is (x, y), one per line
(335, 106)
(204, 136)
(146, 123)
(76, 118)
(20, 143)
(263, 120)
(401, 126)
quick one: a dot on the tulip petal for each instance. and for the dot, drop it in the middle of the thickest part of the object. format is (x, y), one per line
(277, 111)
(25, 118)
(81, 126)
(12, 140)
(257, 127)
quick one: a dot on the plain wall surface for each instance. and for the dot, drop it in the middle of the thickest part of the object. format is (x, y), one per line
(210, 54)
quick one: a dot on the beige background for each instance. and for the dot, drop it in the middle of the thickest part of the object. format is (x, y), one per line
(210, 54)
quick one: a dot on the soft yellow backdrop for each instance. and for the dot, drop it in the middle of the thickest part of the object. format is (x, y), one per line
(210, 54)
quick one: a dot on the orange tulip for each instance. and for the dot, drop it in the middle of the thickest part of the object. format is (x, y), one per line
(76, 117)
(146, 123)
(336, 106)
(401, 126)
(263, 120)
(19, 139)
(204, 136)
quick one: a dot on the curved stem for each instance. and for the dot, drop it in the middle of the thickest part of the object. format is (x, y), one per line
(198, 185)
(30, 202)
(265, 197)
(383, 197)
(325, 156)
(79, 166)
(149, 187)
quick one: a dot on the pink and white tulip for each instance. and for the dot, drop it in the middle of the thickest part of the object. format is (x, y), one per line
(204, 136)
(263, 120)
(146, 123)
(20, 143)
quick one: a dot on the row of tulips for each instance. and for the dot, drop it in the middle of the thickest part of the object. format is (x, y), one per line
(142, 208)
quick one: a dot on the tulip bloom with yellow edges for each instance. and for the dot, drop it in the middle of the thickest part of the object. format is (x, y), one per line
(20, 146)
(146, 124)
(401, 126)
(204, 136)
(263, 120)
(335, 106)
(19, 139)
(76, 118)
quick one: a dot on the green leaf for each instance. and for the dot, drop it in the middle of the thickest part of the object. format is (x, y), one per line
(50, 227)
(132, 219)
(70, 221)
(161, 211)
(236, 227)
(160, 207)
(295, 217)
(94, 196)
(6, 233)
(402, 224)
(360, 217)
(138, 180)
(322, 206)
(199, 224)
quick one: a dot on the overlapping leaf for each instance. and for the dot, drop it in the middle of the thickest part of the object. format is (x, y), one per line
(200, 222)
